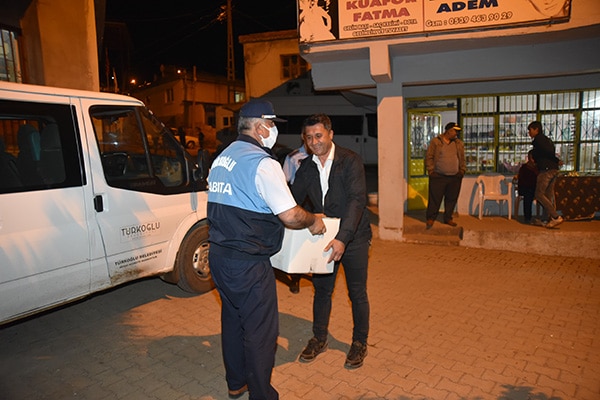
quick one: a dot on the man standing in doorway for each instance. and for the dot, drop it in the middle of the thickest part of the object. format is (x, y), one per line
(333, 182)
(544, 155)
(445, 163)
(249, 203)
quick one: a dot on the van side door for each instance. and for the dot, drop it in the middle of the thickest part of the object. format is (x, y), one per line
(142, 188)
(45, 240)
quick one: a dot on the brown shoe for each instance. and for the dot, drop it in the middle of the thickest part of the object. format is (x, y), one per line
(236, 394)
(356, 355)
(312, 350)
(451, 223)
(429, 223)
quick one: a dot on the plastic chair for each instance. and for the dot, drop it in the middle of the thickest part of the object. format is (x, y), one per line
(490, 188)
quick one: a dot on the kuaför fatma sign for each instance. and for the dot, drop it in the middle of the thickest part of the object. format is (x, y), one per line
(323, 20)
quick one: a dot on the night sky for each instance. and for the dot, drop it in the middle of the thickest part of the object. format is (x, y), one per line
(187, 33)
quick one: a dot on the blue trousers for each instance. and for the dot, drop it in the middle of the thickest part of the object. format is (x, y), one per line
(249, 323)
(355, 261)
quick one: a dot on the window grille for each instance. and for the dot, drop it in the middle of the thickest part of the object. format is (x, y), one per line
(496, 137)
(292, 66)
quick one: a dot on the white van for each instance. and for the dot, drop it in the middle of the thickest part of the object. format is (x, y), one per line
(94, 192)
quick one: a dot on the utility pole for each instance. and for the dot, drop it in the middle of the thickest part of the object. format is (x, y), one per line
(230, 60)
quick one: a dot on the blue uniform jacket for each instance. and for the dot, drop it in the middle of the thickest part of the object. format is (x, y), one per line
(241, 224)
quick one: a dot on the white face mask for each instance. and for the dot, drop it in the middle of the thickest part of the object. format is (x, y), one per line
(270, 141)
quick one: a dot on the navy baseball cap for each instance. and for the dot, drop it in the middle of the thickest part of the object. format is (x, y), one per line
(257, 108)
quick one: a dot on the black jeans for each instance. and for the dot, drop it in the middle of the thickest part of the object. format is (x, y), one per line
(528, 197)
(355, 262)
(446, 188)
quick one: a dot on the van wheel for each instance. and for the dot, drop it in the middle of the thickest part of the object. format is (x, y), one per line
(192, 262)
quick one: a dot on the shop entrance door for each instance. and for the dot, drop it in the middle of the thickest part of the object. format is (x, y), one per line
(423, 126)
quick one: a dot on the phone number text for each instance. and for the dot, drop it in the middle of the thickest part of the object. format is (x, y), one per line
(473, 19)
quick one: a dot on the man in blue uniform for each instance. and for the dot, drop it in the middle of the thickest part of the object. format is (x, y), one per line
(249, 203)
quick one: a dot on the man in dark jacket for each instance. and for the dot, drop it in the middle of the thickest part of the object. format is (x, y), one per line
(332, 181)
(544, 155)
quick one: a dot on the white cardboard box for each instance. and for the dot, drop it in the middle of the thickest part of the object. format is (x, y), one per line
(302, 253)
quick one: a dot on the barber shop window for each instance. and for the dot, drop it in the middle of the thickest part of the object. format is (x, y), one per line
(496, 137)
(495, 131)
(10, 69)
(292, 66)
(588, 155)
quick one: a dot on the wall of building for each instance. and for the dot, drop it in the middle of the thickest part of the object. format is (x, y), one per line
(60, 53)
(262, 59)
(193, 105)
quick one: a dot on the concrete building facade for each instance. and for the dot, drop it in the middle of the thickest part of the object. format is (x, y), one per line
(263, 58)
(54, 52)
(193, 101)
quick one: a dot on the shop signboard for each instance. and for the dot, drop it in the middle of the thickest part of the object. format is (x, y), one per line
(325, 20)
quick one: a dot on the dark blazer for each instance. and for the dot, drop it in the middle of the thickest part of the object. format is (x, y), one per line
(346, 198)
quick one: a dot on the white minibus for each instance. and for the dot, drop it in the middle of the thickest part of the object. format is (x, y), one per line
(94, 192)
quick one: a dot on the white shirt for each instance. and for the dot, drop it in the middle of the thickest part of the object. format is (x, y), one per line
(324, 171)
(272, 186)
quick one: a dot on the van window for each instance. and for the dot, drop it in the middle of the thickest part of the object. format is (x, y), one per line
(137, 152)
(39, 147)
(293, 126)
(351, 125)
(372, 125)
